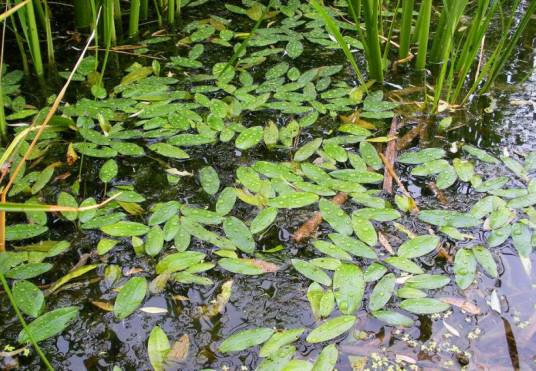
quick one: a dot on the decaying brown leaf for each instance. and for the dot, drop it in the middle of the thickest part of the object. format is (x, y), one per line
(179, 350)
(461, 303)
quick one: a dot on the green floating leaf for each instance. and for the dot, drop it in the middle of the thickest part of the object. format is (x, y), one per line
(293, 200)
(522, 239)
(480, 154)
(422, 156)
(307, 150)
(353, 246)
(263, 220)
(240, 266)
(424, 306)
(125, 229)
(108, 171)
(447, 217)
(162, 212)
(364, 230)
(28, 297)
(335, 216)
(29, 270)
(16, 232)
(245, 339)
(484, 257)
(523, 201)
(130, 297)
(428, 281)
(279, 340)
(71, 275)
(294, 48)
(419, 246)
(226, 201)
(382, 292)
(332, 250)
(374, 272)
(249, 138)
(154, 241)
(65, 199)
(464, 169)
(349, 287)
(331, 329)
(179, 261)
(393, 318)
(464, 268)
(404, 264)
(167, 150)
(158, 348)
(311, 271)
(370, 155)
(239, 233)
(327, 359)
(209, 180)
(49, 324)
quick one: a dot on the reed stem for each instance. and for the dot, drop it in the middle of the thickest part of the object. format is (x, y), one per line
(134, 18)
(423, 27)
(405, 28)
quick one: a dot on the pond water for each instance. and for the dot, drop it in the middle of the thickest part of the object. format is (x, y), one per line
(502, 336)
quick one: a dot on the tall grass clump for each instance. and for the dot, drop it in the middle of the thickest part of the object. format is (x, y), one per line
(333, 29)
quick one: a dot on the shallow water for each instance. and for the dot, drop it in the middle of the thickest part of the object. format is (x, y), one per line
(98, 341)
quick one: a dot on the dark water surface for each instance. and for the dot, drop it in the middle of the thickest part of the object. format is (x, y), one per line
(491, 340)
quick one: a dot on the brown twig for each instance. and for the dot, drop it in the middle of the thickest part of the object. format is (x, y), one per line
(390, 155)
(391, 170)
(311, 225)
(438, 193)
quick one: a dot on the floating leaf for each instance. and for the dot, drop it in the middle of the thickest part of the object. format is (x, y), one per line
(404, 264)
(29, 270)
(421, 156)
(307, 150)
(239, 233)
(28, 298)
(108, 171)
(209, 180)
(448, 217)
(240, 266)
(179, 261)
(279, 340)
(522, 239)
(245, 339)
(374, 272)
(485, 259)
(464, 169)
(353, 246)
(311, 271)
(335, 216)
(154, 241)
(249, 137)
(332, 250)
(294, 48)
(293, 200)
(349, 287)
(158, 348)
(480, 154)
(364, 230)
(428, 281)
(226, 201)
(49, 324)
(370, 155)
(393, 318)
(327, 359)
(331, 329)
(424, 306)
(71, 275)
(464, 268)
(125, 229)
(167, 150)
(263, 220)
(162, 212)
(419, 246)
(382, 292)
(130, 297)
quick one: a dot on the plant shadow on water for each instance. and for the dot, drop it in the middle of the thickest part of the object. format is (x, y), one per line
(98, 340)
